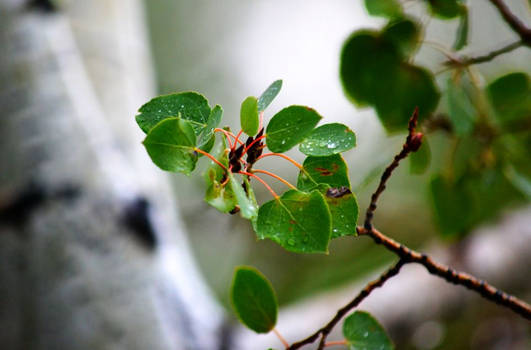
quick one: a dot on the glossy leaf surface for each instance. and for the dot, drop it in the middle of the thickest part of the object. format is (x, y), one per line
(328, 139)
(289, 127)
(363, 332)
(331, 170)
(213, 121)
(170, 144)
(269, 95)
(188, 105)
(249, 116)
(220, 197)
(298, 221)
(254, 299)
(248, 208)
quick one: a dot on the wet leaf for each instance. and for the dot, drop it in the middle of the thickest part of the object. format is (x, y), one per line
(188, 105)
(249, 116)
(248, 208)
(254, 299)
(269, 95)
(170, 144)
(363, 332)
(213, 121)
(461, 111)
(328, 139)
(289, 127)
(384, 8)
(298, 221)
(220, 197)
(343, 210)
(331, 170)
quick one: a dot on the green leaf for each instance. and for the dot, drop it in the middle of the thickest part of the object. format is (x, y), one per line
(343, 210)
(510, 95)
(452, 206)
(289, 127)
(328, 139)
(249, 116)
(248, 208)
(363, 332)
(220, 197)
(331, 170)
(254, 299)
(461, 111)
(419, 161)
(373, 73)
(213, 121)
(461, 39)
(188, 105)
(269, 95)
(384, 8)
(445, 9)
(404, 34)
(298, 221)
(170, 144)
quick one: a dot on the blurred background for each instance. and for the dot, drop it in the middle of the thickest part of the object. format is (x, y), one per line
(74, 74)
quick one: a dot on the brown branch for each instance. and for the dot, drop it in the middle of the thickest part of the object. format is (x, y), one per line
(466, 61)
(483, 288)
(514, 22)
(369, 288)
(413, 142)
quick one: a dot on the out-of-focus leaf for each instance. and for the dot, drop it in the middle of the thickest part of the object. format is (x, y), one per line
(510, 95)
(298, 221)
(269, 95)
(363, 332)
(249, 116)
(445, 9)
(419, 161)
(254, 299)
(452, 206)
(289, 127)
(384, 8)
(461, 39)
(331, 170)
(171, 143)
(461, 111)
(404, 34)
(373, 73)
(328, 139)
(188, 105)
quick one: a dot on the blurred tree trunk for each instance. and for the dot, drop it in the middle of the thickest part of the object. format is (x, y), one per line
(92, 252)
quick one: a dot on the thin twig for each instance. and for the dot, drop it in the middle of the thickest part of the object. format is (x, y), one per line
(460, 278)
(466, 61)
(369, 288)
(413, 142)
(514, 22)
(281, 338)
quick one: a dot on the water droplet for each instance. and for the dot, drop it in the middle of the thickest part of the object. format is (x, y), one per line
(283, 142)
(365, 335)
(335, 230)
(291, 241)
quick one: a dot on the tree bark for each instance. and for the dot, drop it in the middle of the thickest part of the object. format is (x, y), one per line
(92, 252)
